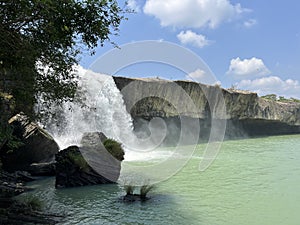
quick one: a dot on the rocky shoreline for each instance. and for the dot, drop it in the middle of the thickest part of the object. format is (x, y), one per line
(96, 161)
(16, 212)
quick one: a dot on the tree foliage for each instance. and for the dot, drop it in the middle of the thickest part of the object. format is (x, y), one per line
(273, 97)
(41, 41)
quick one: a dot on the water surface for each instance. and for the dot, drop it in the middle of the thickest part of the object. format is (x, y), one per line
(252, 181)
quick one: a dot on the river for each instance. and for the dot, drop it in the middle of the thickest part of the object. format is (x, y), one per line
(252, 182)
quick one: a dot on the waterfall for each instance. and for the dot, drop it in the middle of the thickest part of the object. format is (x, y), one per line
(101, 109)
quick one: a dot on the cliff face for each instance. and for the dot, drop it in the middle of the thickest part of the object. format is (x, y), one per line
(245, 112)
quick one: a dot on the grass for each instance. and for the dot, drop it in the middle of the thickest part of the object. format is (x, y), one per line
(78, 160)
(145, 189)
(32, 202)
(114, 148)
(129, 189)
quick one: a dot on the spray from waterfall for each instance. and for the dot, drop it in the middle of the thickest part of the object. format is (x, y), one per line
(101, 109)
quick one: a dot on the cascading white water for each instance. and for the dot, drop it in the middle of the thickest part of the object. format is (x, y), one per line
(102, 109)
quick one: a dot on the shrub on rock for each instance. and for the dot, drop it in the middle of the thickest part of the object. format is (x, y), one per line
(114, 148)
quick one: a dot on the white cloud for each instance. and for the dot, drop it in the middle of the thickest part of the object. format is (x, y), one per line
(202, 76)
(198, 75)
(247, 67)
(132, 4)
(189, 37)
(272, 85)
(192, 13)
(250, 23)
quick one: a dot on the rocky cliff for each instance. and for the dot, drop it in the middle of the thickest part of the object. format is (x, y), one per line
(245, 112)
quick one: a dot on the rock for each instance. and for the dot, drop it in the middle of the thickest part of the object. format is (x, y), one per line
(38, 146)
(42, 169)
(23, 176)
(105, 160)
(98, 141)
(8, 190)
(72, 169)
(134, 197)
(17, 177)
(92, 139)
(246, 113)
(89, 164)
(12, 184)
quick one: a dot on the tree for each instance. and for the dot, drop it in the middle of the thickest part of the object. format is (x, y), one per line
(41, 40)
(272, 97)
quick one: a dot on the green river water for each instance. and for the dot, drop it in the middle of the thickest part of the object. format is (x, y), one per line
(252, 182)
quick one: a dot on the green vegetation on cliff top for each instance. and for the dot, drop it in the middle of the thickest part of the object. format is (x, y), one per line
(274, 97)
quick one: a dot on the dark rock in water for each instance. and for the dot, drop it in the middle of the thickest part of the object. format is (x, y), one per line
(42, 169)
(12, 184)
(90, 164)
(38, 146)
(17, 177)
(99, 143)
(23, 176)
(72, 170)
(8, 190)
(134, 197)
(103, 155)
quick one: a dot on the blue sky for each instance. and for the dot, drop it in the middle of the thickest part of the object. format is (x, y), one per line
(253, 45)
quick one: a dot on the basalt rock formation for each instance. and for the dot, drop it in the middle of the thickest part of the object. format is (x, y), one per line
(36, 145)
(89, 164)
(245, 113)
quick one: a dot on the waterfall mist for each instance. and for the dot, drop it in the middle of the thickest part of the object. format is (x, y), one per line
(100, 109)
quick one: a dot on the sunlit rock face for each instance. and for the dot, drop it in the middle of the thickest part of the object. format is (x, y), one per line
(245, 112)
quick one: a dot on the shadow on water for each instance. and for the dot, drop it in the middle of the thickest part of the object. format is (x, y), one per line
(101, 204)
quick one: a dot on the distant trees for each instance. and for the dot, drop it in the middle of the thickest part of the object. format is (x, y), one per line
(274, 97)
(41, 41)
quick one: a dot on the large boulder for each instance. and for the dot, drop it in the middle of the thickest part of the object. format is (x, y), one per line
(89, 164)
(97, 141)
(37, 145)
